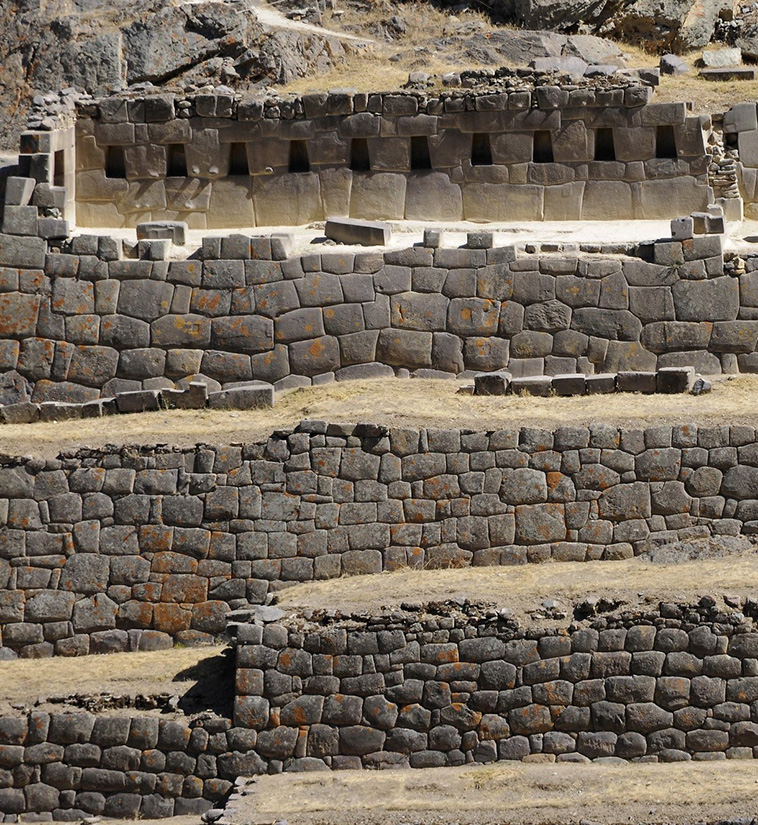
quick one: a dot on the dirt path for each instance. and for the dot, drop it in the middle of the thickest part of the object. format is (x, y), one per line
(270, 16)
(516, 793)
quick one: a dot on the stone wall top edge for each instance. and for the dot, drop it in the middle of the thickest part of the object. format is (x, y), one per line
(549, 93)
(368, 435)
(497, 619)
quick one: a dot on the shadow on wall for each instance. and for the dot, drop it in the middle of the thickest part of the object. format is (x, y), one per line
(213, 688)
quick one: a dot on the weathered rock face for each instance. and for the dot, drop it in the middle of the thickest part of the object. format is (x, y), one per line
(673, 24)
(99, 47)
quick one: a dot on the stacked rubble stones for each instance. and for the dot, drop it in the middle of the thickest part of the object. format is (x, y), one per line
(443, 688)
(136, 548)
(81, 325)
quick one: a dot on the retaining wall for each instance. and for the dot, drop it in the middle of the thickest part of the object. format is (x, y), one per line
(442, 688)
(440, 685)
(134, 548)
(81, 324)
(71, 765)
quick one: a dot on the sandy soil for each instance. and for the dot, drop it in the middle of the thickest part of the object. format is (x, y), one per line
(516, 793)
(396, 402)
(162, 671)
(522, 589)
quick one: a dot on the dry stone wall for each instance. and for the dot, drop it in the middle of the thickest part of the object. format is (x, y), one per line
(422, 686)
(83, 324)
(441, 688)
(70, 765)
(547, 153)
(135, 548)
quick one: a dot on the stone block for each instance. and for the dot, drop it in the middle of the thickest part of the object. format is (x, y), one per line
(675, 379)
(492, 383)
(431, 196)
(138, 401)
(485, 202)
(633, 381)
(569, 384)
(361, 233)
(174, 231)
(20, 220)
(600, 383)
(255, 395)
(19, 191)
(682, 229)
(538, 385)
(378, 195)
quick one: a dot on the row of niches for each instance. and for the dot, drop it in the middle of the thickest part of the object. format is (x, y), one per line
(362, 154)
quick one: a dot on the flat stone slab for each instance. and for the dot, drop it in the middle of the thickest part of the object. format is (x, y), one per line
(255, 395)
(733, 73)
(361, 233)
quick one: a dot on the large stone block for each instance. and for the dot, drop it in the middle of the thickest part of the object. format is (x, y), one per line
(288, 200)
(712, 300)
(606, 200)
(496, 202)
(671, 198)
(405, 348)
(93, 366)
(419, 311)
(230, 202)
(190, 331)
(314, 357)
(430, 196)
(243, 333)
(18, 314)
(361, 233)
(378, 195)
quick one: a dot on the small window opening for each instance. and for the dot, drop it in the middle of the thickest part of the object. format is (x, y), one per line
(238, 164)
(59, 168)
(115, 165)
(360, 160)
(604, 146)
(177, 161)
(481, 150)
(665, 142)
(299, 156)
(543, 147)
(420, 158)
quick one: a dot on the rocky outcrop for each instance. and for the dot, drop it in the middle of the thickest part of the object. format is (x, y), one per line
(109, 46)
(661, 24)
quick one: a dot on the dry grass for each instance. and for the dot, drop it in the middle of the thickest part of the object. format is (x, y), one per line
(121, 673)
(517, 793)
(523, 588)
(396, 402)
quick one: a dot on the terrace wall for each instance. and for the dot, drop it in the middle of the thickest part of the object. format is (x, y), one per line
(135, 548)
(83, 324)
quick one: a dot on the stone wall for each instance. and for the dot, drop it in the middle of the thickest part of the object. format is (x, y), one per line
(436, 687)
(549, 153)
(72, 765)
(424, 686)
(81, 324)
(134, 548)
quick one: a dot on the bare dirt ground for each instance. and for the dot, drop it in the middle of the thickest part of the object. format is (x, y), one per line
(632, 582)
(513, 793)
(395, 402)
(164, 671)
